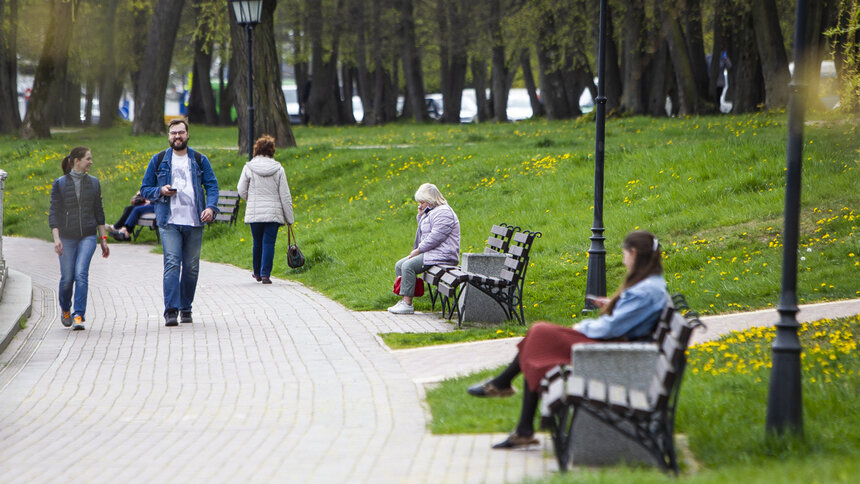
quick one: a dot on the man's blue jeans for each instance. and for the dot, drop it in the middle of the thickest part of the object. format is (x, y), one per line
(181, 246)
(263, 253)
(75, 271)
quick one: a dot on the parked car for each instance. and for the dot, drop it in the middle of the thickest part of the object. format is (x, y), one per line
(468, 107)
(291, 96)
(519, 105)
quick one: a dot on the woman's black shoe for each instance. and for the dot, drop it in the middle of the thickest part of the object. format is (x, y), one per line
(487, 389)
(515, 441)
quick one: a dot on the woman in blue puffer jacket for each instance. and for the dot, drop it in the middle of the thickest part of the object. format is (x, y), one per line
(437, 241)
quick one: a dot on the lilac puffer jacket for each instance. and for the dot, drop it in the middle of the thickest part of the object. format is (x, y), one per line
(438, 236)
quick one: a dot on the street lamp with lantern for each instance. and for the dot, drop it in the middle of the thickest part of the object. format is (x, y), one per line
(247, 14)
(595, 282)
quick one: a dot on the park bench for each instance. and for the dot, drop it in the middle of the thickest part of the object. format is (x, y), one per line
(616, 401)
(228, 205)
(506, 289)
(497, 243)
(146, 220)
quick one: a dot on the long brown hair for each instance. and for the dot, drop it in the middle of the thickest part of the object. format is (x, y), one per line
(648, 262)
(77, 153)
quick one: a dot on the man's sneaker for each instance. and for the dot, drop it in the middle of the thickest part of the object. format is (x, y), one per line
(185, 316)
(401, 308)
(79, 324)
(170, 317)
(66, 319)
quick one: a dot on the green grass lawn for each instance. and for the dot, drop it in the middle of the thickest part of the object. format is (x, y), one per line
(722, 411)
(711, 188)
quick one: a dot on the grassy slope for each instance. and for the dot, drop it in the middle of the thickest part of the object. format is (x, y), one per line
(711, 188)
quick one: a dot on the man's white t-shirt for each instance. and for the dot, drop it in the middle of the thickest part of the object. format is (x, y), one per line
(183, 205)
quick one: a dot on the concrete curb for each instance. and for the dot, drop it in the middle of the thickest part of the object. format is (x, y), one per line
(17, 303)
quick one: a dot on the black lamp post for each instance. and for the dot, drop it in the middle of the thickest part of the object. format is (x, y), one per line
(596, 279)
(784, 403)
(248, 15)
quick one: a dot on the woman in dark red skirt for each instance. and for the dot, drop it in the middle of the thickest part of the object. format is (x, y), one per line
(630, 315)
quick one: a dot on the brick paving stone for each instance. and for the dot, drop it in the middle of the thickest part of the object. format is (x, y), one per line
(270, 383)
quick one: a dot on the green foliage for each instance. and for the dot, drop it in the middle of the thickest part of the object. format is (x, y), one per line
(845, 44)
(710, 187)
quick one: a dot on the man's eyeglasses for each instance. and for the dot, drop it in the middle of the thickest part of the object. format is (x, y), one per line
(176, 133)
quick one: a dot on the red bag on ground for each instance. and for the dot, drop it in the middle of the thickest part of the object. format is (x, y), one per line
(419, 287)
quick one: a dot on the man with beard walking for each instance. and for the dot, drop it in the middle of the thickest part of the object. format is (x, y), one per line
(184, 190)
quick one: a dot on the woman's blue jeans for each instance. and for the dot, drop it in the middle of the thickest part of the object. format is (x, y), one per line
(263, 254)
(181, 246)
(75, 272)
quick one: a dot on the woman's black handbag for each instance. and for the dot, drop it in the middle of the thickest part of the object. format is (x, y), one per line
(295, 259)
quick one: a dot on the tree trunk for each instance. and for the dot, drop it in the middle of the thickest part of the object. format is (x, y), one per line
(153, 76)
(88, 105)
(722, 17)
(659, 74)
(531, 86)
(201, 102)
(365, 89)
(499, 87)
(772, 53)
(322, 106)
(612, 88)
(696, 46)
(270, 109)
(455, 57)
(346, 74)
(745, 78)
(411, 59)
(633, 64)
(110, 87)
(552, 80)
(226, 91)
(10, 115)
(479, 83)
(685, 79)
(50, 71)
(139, 37)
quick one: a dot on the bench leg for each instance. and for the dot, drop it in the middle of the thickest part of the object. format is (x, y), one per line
(560, 424)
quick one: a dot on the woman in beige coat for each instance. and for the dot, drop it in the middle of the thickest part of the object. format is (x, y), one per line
(263, 184)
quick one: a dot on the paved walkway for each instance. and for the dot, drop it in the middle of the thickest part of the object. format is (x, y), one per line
(270, 383)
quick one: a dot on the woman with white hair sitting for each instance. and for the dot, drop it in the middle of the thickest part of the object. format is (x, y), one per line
(437, 241)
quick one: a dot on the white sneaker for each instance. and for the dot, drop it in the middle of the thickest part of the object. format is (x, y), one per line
(401, 308)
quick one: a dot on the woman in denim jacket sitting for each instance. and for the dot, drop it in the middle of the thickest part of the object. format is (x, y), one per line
(629, 315)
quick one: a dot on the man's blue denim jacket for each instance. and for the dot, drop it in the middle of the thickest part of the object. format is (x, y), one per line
(202, 176)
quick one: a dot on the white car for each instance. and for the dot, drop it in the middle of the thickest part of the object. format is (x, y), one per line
(291, 96)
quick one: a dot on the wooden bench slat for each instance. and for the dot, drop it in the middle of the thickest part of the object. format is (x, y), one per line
(596, 390)
(576, 387)
(618, 397)
(639, 402)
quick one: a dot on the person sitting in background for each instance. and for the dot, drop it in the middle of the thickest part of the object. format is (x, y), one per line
(437, 241)
(630, 315)
(128, 220)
